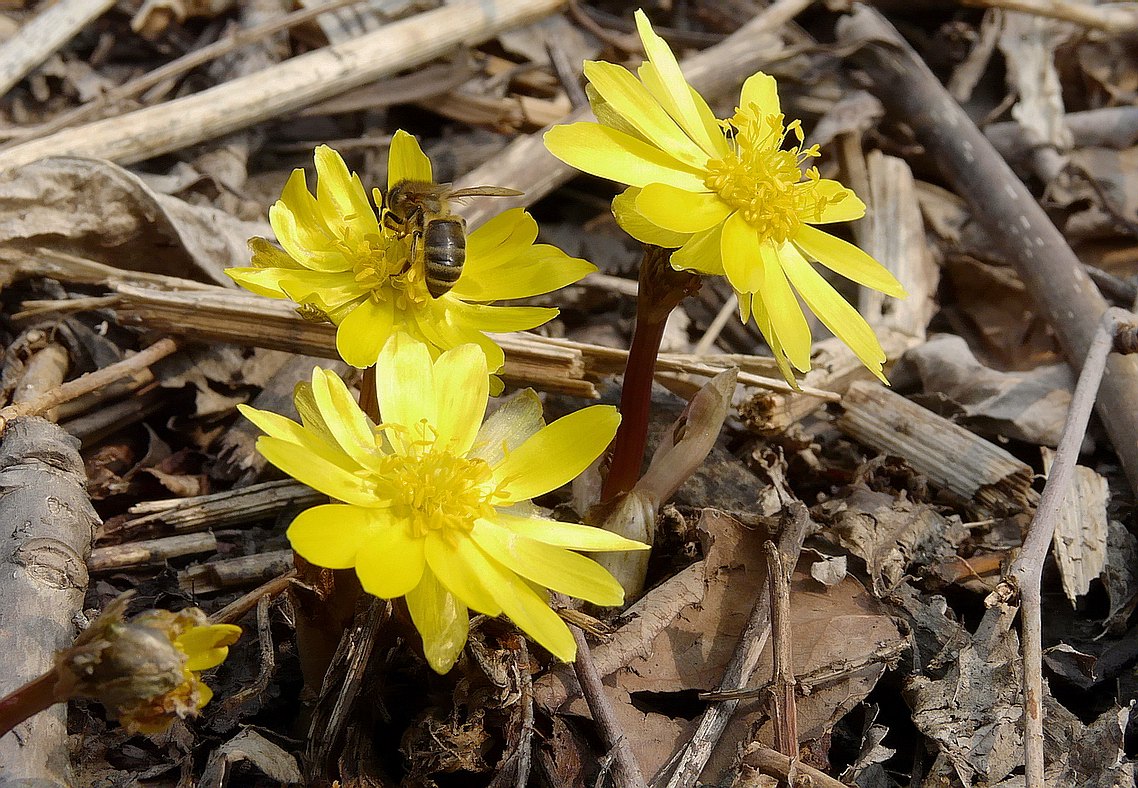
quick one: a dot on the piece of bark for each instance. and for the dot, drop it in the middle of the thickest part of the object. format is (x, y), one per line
(983, 474)
(1016, 223)
(49, 525)
(150, 552)
(235, 572)
(277, 91)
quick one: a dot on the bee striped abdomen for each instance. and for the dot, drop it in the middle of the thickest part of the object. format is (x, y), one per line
(444, 253)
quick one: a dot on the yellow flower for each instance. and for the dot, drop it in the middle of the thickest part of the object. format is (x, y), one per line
(146, 671)
(728, 196)
(435, 504)
(340, 262)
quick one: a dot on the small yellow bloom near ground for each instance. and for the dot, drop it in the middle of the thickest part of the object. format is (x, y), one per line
(435, 503)
(729, 196)
(146, 671)
(341, 263)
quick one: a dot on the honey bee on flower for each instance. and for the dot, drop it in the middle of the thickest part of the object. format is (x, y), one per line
(340, 261)
(434, 503)
(729, 196)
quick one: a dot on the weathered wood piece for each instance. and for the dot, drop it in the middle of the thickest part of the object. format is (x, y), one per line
(283, 88)
(48, 527)
(235, 572)
(1016, 223)
(951, 456)
(149, 552)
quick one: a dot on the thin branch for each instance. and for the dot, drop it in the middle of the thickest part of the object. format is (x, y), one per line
(785, 709)
(627, 771)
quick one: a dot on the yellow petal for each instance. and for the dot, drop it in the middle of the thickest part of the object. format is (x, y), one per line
(350, 428)
(541, 268)
(390, 561)
(612, 154)
(464, 570)
(571, 536)
(318, 473)
(763, 320)
(364, 331)
(207, 647)
(302, 439)
(633, 223)
(442, 328)
(557, 453)
(501, 319)
(406, 161)
(266, 254)
(787, 320)
(441, 619)
(837, 315)
(341, 193)
(500, 240)
(702, 253)
(332, 535)
(760, 91)
(555, 568)
(205, 695)
(534, 617)
(632, 101)
(262, 281)
(841, 204)
(846, 259)
(607, 116)
(681, 211)
(509, 426)
(405, 384)
(741, 255)
(664, 79)
(462, 387)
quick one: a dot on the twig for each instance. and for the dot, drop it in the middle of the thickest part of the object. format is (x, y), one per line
(627, 772)
(1000, 202)
(784, 707)
(36, 41)
(788, 770)
(695, 753)
(243, 604)
(89, 382)
(726, 312)
(297, 82)
(1026, 572)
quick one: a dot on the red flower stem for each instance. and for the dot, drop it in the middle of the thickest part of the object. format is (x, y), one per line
(30, 699)
(661, 290)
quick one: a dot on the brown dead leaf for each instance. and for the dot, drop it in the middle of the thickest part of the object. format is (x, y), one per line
(835, 626)
(99, 211)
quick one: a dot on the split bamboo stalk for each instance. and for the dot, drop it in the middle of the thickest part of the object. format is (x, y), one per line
(39, 39)
(951, 456)
(1016, 223)
(285, 87)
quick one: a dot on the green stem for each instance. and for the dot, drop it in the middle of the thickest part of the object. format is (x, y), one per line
(32, 698)
(661, 290)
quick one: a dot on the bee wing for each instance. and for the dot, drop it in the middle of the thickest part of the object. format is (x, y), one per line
(485, 191)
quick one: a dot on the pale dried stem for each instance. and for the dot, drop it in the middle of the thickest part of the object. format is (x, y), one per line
(1026, 572)
(784, 707)
(1113, 20)
(92, 381)
(284, 88)
(37, 40)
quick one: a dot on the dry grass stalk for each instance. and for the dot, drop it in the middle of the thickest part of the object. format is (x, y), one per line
(38, 40)
(284, 88)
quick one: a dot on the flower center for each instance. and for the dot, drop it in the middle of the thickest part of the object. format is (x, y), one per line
(435, 489)
(763, 181)
(381, 266)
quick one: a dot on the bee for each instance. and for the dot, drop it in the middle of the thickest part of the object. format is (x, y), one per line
(438, 236)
